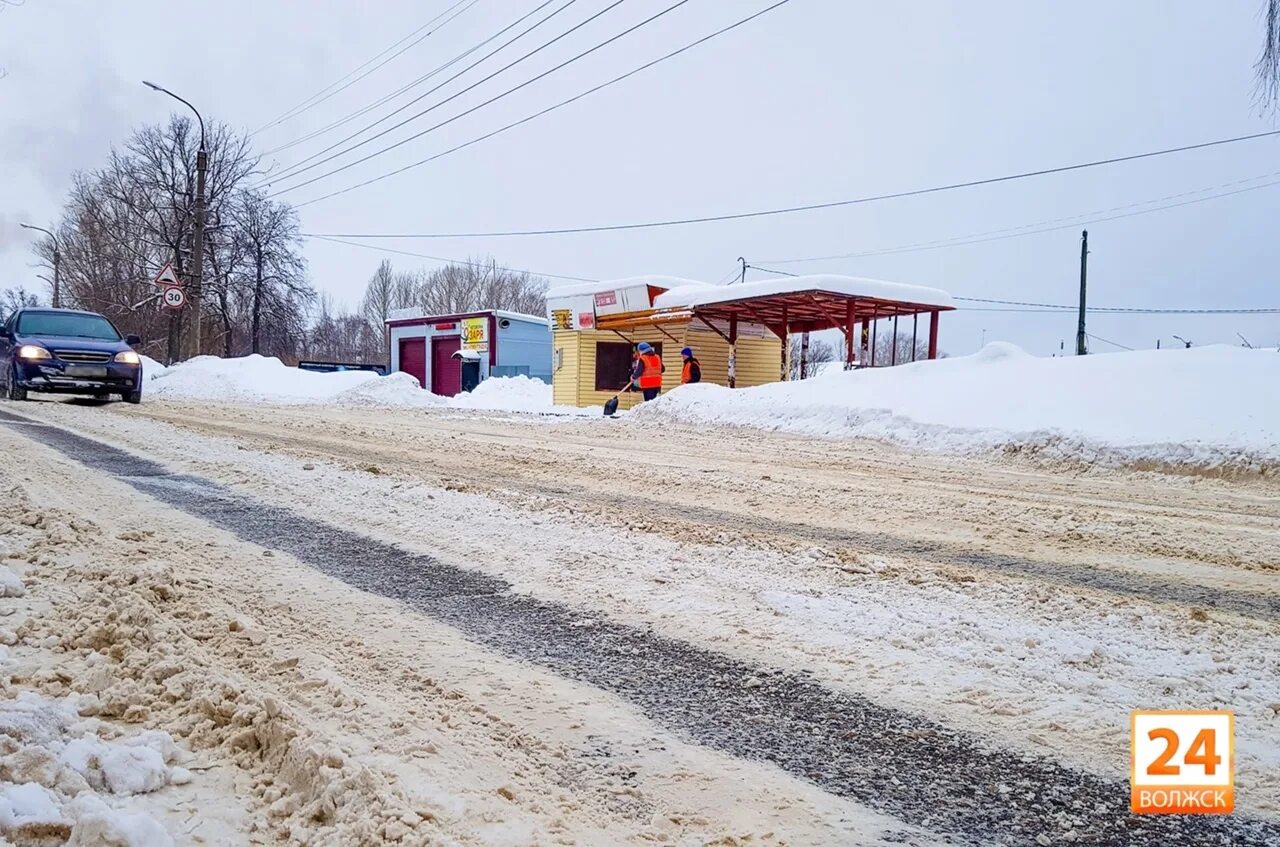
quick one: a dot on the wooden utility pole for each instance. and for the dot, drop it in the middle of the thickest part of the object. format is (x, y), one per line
(196, 293)
(1081, 346)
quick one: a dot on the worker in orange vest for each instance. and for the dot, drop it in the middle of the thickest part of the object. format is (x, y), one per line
(692, 370)
(647, 373)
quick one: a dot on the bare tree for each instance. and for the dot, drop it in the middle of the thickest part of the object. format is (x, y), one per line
(15, 298)
(476, 285)
(819, 353)
(342, 337)
(1268, 65)
(274, 272)
(125, 221)
(885, 349)
(379, 296)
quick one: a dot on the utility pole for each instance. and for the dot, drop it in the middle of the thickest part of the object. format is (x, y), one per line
(57, 258)
(1081, 346)
(191, 345)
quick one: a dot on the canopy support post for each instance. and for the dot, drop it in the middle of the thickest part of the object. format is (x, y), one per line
(875, 326)
(893, 352)
(849, 308)
(785, 335)
(933, 334)
(915, 327)
(733, 350)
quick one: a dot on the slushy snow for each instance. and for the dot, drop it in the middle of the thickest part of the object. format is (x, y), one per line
(1208, 406)
(53, 762)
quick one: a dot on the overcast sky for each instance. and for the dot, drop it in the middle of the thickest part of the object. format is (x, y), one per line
(818, 100)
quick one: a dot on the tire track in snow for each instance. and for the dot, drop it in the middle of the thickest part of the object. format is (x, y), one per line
(905, 766)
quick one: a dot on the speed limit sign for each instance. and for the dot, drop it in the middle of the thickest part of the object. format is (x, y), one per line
(174, 298)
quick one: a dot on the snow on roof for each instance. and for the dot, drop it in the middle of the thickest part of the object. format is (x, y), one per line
(846, 285)
(415, 314)
(521, 316)
(668, 282)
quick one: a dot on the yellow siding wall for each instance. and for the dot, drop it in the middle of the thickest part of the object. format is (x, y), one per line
(564, 348)
(573, 384)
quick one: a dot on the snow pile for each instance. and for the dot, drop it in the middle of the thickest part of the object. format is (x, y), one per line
(1211, 407)
(151, 368)
(397, 390)
(513, 394)
(260, 379)
(52, 763)
(253, 379)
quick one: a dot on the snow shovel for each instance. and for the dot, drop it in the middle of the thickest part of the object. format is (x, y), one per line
(611, 405)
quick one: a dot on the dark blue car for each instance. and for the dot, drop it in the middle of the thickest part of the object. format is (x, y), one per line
(69, 352)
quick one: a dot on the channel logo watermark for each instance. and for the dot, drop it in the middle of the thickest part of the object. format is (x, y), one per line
(1182, 762)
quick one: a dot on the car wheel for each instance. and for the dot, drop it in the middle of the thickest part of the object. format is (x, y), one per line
(16, 391)
(132, 397)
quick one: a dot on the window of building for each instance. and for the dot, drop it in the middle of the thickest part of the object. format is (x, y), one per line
(613, 364)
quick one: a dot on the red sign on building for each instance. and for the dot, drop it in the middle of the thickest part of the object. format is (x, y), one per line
(606, 298)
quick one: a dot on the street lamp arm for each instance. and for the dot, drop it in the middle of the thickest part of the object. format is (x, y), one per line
(45, 231)
(164, 90)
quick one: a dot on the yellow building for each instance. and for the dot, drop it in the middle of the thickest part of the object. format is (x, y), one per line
(738, 333)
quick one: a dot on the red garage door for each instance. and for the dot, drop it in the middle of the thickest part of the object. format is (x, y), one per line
(446, 371)
(413, 358)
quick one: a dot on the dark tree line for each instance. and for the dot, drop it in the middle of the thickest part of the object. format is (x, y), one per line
(124, 221)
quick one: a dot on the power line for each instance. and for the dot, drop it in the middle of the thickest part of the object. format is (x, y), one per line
(1125, 309)
(830, 205)
(325, 93)
(450, 261)
(1048, 308)
(366, 109)
(296, 170)
(1009, 232)
(479, 106)
(1105, 341)
(539, 114)
(769, 271)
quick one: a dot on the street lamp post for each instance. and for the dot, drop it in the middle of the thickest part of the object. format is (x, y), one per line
(192, 345)
(57, 257)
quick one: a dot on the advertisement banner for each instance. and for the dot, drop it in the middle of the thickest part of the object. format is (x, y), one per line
(475, 334)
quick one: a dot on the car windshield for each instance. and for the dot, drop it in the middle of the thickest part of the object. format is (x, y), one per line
(68, 325)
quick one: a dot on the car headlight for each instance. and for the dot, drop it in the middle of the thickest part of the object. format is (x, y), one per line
(128, 357)
(31, 351)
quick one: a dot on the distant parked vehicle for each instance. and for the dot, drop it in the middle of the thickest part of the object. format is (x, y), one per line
(338, 367)
(68, 352)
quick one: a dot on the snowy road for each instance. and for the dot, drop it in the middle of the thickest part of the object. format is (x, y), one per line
(949, 645)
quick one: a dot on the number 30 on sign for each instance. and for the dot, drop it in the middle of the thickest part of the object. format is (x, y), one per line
(1182, 763)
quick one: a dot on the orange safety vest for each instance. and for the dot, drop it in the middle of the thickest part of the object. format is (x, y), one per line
(651, 376)
(686, 373)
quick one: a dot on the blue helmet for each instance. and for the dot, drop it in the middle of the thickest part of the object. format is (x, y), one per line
(644, 347)
(687, 352)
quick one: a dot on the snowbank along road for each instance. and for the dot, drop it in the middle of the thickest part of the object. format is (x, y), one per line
(431, 625)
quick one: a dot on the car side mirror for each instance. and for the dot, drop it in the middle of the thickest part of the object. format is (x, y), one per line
(132, 340)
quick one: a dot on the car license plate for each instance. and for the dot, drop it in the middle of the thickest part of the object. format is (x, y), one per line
(87, 371)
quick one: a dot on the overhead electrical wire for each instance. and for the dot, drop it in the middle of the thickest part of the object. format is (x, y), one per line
(474, 85)
(302, 167)
(829, 205)
(389, 97)
(325, 93)
(1084, 219)
(1105, 341)
(1046, 308)
(536, 115)
(451, 261)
